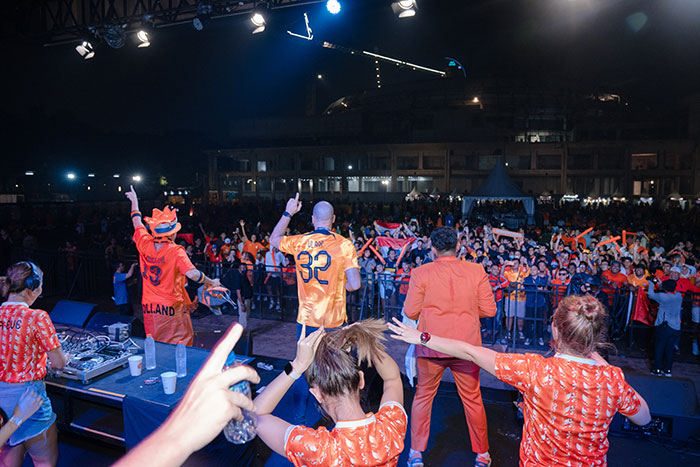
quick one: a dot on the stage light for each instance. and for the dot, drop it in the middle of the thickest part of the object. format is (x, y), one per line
(29, 173)
(405, 8)
(333, 7)
(258, 21)
(204, 10)
(319, 76)
(91, 175)
(144, 38)
(85, 50)
(136, 178)
(70, 176)
(115, 176)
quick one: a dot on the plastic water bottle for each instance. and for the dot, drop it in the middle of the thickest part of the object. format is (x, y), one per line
(181, 359)
(149, 348)
(245, 430)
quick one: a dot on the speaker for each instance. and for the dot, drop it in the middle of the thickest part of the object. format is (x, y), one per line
(72, 313)
(100, 321)
(673, 403)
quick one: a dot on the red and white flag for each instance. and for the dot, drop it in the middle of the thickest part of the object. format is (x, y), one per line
(386, 227)
(385, 243)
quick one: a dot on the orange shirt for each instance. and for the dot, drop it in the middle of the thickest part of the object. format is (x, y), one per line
(637, 282)
(449, 296)
(569, 403)
(618, 279)
(516, 279)
(163, 270)
(25, 337)
(376, 440)
(252, 248)
(321, 260)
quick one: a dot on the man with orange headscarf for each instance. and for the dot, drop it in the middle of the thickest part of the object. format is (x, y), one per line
(165, 268)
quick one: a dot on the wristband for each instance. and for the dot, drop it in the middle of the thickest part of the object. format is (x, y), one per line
(289, 371)
(287, 214)
(200, 279)
(135, 214)
(16, 420)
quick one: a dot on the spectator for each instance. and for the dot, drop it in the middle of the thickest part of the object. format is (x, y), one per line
(236, 281)
(535, 304)
(667, 326)
(121, 291)
(498, 283)
(515, 273)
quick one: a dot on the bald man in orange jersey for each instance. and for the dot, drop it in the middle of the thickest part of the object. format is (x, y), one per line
(326, 266)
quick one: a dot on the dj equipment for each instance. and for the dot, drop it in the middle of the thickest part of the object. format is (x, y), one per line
(72, 313)
(92, 355)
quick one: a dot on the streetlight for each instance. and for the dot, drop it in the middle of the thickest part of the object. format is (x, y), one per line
(349, 167)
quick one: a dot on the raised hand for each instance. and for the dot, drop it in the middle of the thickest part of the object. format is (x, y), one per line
(306, 348)
(293, 205)
(404, 332)
(131, 195)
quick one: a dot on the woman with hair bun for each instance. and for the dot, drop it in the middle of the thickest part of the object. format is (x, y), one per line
(331, 363)
(570, 398)
(27, 340)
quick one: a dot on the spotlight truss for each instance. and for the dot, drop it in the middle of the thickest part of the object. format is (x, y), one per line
(54, 22)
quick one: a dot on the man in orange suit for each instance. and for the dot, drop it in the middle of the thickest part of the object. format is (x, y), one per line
(448, 296)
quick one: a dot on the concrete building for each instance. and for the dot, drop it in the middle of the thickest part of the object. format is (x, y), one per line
(447, 134)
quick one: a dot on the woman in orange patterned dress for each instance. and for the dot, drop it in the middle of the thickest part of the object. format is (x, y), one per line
(335, 380)
(570, 398)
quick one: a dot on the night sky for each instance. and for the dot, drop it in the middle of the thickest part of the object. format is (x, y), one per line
(156, 108)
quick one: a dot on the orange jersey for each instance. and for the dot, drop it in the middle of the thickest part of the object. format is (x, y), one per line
(569, 404)
(376, 440)
(321, 260)
(165, 302)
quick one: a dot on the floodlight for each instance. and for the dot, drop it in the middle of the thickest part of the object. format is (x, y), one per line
(333, 7)
(115, 176)
(85, 50)
(144, 38)
(91, 175)
(29, 173)
(258, 21)
(70, 176)
(136, 178)
(405, 8)
(350, 167)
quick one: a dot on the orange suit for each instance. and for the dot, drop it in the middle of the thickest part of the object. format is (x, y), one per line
(449, 296)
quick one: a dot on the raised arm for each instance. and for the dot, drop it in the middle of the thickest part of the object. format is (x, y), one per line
(293, 207)
(390, 373)
(136, 217)
(131, 271)
(485, 358)
(242, 223)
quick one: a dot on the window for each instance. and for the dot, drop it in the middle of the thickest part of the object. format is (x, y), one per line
(262, 166)
(329, 163)
(309, 162)
(407, 163)
(549, 161)
(521, 162)
(462, 162)
(644, 161)
(579, 161)
(487, 162)
(433, 162)
(375, 184)
(380, 163)
(264, 184)
(353, 184)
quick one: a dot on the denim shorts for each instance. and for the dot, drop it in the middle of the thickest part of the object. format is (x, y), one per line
(35, 425)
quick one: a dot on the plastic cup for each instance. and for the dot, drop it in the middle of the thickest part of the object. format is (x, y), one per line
(135, 365)
(169, 379)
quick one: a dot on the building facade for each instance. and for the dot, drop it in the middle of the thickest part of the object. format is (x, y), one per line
(447, 135)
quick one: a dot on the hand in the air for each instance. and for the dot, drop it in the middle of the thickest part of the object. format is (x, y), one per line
(293, 205)
(404, 332)
(131, 195)
(306, 348)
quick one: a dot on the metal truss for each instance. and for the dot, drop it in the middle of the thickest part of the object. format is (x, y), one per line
(59, 21)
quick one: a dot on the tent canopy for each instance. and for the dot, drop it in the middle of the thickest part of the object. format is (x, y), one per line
(498, 186)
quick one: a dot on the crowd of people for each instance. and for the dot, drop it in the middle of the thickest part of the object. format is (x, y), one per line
(448, 274)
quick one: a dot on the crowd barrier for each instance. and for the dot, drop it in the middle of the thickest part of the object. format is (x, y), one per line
(82, 275)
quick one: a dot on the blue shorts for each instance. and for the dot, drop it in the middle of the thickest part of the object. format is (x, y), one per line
(35, 425)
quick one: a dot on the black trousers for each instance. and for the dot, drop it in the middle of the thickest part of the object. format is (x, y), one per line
(665, 340)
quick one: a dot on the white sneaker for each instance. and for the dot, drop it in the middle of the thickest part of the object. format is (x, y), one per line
(540, 341)
(527, 342)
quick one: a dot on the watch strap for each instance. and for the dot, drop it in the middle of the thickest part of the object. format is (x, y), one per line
(16, 420)
(287, 214)
(289, 371)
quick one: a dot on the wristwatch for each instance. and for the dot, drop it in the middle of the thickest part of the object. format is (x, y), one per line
(289, 371)
(424, 338)
(287, 214)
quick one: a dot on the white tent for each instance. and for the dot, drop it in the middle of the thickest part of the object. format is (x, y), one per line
(498, 186)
